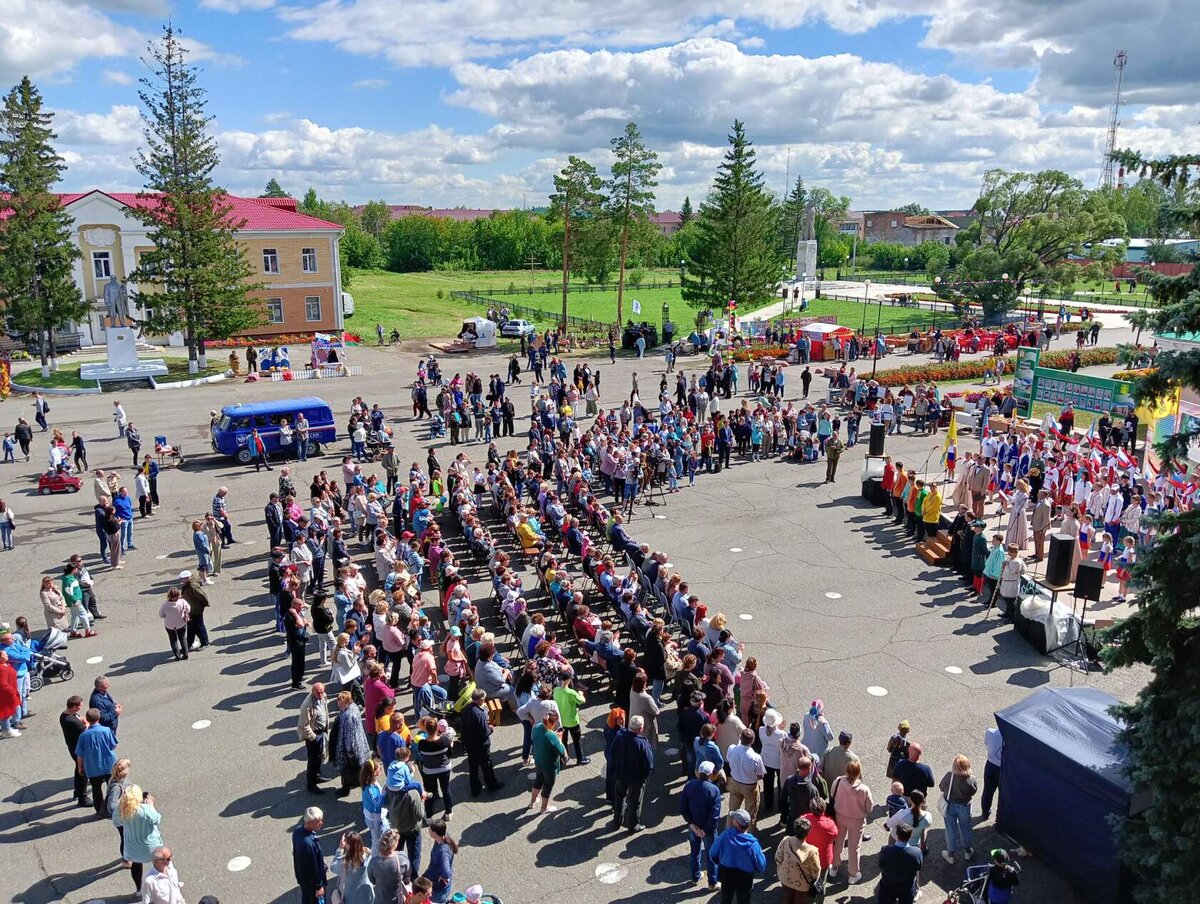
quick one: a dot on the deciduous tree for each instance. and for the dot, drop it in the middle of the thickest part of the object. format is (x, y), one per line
(577, 200)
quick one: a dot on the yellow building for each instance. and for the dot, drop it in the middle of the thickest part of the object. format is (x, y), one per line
(295, 256)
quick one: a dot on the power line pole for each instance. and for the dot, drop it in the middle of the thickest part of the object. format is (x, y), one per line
(1108, 165)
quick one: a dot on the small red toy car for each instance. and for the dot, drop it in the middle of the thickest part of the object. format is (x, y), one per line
(55, 482)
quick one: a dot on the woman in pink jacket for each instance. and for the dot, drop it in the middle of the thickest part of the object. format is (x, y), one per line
(853, 803)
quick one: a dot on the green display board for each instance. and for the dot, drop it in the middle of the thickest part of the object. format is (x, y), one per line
(1059, 388)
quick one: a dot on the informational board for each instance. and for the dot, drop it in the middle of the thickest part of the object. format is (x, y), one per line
(1095, 394)
(1024, 375)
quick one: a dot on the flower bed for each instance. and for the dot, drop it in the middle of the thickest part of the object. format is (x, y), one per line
(1136, 374)
(977, 367)
(757, 353)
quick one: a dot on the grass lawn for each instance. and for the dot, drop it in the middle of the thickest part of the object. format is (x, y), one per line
(68, 377)
(410, 303)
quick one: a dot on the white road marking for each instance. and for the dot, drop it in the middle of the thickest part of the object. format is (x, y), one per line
(953, 670)
(833, 596)
(735, 549)
(876, 691)
(611, 873)
(202, 724)
(95, 660)
(237, 864)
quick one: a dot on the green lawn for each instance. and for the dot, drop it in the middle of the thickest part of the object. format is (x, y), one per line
(410, 303)
(68, 377)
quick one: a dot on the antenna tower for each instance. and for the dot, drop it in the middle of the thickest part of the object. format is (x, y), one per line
(1107, 171)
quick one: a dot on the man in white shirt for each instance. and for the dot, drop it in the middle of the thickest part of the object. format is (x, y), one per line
(161, 884)
(746, 769)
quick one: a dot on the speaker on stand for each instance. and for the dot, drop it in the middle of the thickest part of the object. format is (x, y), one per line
(1058, 562)
(1089, 581)
(877, 440)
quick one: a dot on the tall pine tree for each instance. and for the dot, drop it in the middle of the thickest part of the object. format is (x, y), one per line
(791, 220)
(37, 256)
(736, 256)
(197, 272)
(1161, 844)
(274, 190)
(576, 197)
(630, 193)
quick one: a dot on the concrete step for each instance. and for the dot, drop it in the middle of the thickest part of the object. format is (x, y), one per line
(934, 552)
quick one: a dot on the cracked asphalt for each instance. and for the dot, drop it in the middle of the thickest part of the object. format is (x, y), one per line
(235, 788)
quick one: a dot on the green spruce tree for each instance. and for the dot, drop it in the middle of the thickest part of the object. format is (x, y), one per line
(791, 219)
(199, 274)
(37, 289)
(274, 190)
(685, 212)
(1161, 843)
(735, 256)
(630, 194)
(577, 197)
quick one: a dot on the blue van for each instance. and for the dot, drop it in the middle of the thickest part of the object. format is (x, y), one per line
(232, 430)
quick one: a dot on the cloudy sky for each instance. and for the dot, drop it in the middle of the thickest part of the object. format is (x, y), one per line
(477, 102)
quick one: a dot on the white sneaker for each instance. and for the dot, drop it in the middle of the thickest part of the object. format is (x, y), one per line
(947, 856)
(13, 733)
(209, 581)
(195, 644)
(856, 878)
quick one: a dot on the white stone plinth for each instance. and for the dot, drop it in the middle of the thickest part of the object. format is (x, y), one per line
(806, 259)
(122, 346)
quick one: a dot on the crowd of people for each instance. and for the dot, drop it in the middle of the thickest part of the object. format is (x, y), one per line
(368, 570)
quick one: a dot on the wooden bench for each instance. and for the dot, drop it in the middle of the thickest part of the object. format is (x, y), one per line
(495, 711)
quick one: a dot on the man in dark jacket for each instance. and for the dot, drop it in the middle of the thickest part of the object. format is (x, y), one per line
(700, 807)
(73, 725)
(691, 720)
(799, 791)
(197, 631)
(912, 773)
(102, 700)
(307, 860)
(274, 516)
(899, 866)
(477, 740)
(632, 761)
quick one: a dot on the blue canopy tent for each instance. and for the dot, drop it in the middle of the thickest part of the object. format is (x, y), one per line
(1062, 776)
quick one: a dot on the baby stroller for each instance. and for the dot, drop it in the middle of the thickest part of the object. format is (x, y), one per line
(49, 659)
(437, 427)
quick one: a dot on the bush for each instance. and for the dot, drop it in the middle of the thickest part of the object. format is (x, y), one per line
(441, 293)
(635, 277)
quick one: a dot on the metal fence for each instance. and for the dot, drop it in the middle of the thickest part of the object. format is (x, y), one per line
(918, 278)
(514, 289)
(519, 311)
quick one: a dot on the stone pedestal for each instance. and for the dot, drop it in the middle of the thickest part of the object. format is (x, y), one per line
(806, 259)
(123, 363)
(122, 346)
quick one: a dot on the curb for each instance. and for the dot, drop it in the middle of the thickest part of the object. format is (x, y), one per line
(85, 390)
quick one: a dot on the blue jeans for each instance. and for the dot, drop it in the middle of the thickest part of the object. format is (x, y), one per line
(23, 691)
(656, 689)
(127, 535)
(695, 844)
(6, 533)
(301, 450)
(958, 827)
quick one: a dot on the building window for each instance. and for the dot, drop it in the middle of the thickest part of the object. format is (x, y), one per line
(894, 224)
(274, 310)
(870, 222)
(946, 240)
(308, 260)
(312, 308)
(270, 261)
(101, 264)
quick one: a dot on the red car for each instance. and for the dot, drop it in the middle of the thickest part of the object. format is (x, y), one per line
(54, 482)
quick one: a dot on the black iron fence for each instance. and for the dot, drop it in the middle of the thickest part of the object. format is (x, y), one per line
(514, 289)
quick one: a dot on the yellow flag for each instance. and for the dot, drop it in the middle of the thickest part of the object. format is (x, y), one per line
(951, 437)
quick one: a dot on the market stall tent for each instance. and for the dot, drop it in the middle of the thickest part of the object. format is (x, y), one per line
(821, 335)
(1062, 777)
(479, 330)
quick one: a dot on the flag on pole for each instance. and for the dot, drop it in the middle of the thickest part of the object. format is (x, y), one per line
(637, 306)
(951, 437)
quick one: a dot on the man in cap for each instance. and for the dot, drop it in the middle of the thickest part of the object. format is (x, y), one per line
(739, 857)
(835, 761)
(700, 806)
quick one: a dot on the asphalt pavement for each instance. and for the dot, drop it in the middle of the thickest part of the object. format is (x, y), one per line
(818, 585)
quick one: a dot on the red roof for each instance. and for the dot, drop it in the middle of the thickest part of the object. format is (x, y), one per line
(666, 218)
(262, 214)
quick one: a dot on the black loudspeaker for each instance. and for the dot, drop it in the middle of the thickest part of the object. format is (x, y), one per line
(1089, 580)
(1058, 563)
(877, 435)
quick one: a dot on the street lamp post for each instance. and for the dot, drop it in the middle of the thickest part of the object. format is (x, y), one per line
(803, 280)
(875, 349)
(866, 301)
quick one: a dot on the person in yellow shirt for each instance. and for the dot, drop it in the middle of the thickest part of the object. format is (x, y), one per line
(527, 535)
(931, 513)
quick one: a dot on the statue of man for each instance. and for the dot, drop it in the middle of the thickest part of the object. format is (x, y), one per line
(116, 300)
(810, 229)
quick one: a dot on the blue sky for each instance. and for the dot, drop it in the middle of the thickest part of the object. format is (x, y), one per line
(447, 102)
